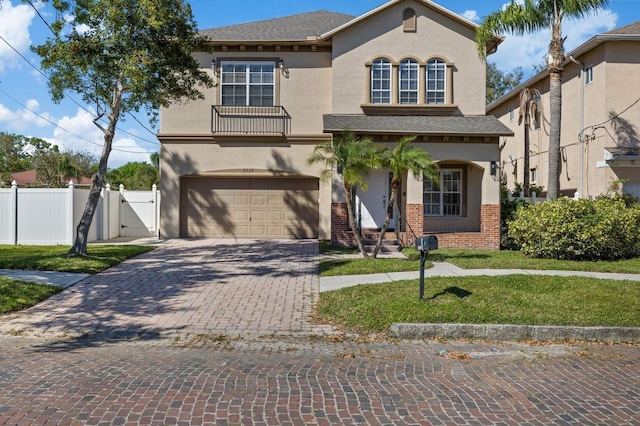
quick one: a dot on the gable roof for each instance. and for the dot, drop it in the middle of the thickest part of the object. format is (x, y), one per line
(627, 29)
(299, 27)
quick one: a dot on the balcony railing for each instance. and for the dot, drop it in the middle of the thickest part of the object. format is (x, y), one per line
(250, 120)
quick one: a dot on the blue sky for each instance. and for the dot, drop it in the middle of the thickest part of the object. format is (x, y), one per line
(23, 88)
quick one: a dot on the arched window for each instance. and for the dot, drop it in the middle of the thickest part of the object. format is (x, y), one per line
(409, 20)
(409, 71)
(381, 81)
(436, 82)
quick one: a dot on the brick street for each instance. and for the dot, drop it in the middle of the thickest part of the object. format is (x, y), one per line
(211, 380)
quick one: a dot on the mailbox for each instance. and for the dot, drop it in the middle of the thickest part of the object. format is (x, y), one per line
(427, 243)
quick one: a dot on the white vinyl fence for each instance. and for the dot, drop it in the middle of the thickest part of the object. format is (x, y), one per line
(40, 216)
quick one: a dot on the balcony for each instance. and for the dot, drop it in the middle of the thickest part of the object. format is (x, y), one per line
(250, 120)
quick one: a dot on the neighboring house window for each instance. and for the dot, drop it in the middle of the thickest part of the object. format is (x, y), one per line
(533, 176)
(381, 82)
(409, 24)
(436, 81)
(512, 114)
(444, 196)
(248, 83)
(588, 75)
(409, 76)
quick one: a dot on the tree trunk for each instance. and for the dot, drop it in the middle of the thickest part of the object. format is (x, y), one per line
(352, 222)
(387, 219)
(82, 231)
(556, 53)
(525, 178)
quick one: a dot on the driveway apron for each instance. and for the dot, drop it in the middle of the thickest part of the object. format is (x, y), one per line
(188, 288)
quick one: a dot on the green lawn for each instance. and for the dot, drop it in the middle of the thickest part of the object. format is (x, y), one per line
(54, 258)
(507, 259)
(466, 259)
(514, 299)
(16, 295)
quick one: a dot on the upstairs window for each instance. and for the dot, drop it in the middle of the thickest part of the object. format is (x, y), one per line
(436, 82)
(248, 83)
(381, 82)
(409, 71)
(588, 75)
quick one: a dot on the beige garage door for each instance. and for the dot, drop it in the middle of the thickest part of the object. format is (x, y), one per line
(249, 208)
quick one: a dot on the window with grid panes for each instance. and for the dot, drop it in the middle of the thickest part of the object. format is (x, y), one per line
(248, 83)
(443, 197)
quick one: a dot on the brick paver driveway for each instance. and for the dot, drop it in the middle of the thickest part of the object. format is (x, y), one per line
(188, 287)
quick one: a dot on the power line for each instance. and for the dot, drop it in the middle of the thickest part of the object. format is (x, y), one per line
(77, 103)
(67, 131)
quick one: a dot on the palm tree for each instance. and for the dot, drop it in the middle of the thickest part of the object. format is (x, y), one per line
(352, 158)
(399, 160)
(529, 112)
(534, 15)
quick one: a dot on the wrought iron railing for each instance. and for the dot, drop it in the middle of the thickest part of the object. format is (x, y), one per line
(250, 120)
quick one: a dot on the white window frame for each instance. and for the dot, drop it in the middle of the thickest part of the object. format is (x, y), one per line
(253, 78)
(439, 207)
(533, 174)
(436, 82)
(588, 75)
(381, 81)
(409, 82)
(512, 114)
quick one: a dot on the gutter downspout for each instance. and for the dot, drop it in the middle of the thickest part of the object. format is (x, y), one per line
(580, 192)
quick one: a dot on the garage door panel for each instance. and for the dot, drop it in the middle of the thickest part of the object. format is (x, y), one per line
(249, 208)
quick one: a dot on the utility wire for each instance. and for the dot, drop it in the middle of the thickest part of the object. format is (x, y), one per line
(65, 130)
(78, 103)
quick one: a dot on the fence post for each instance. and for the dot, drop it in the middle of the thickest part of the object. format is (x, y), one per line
(71, 208)
(13, 214)
(106, 209)
(154, 195)
(534, 197)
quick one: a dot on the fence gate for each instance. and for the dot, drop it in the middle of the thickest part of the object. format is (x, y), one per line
(138, 213)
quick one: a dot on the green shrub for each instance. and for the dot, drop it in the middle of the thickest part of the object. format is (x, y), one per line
(603, 229)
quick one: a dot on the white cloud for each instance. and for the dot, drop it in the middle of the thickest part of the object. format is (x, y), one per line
(531, 49)
(87, 137)
(23, 119)
(14, 28)
(471, 15)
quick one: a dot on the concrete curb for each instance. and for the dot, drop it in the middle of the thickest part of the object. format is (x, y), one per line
(507, 332)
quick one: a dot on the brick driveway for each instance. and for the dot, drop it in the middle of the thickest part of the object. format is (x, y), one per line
(188, 287)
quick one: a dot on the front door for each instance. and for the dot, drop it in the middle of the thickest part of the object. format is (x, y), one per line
(371, 205)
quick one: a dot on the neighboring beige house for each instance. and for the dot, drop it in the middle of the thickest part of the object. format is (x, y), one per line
(235, 164)
(600, 137)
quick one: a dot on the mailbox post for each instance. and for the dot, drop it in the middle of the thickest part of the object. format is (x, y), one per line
(423, 245)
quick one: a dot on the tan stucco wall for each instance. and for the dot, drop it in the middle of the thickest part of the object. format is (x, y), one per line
(304, 89)
(383, 35)
(616, 74)
(202, 157)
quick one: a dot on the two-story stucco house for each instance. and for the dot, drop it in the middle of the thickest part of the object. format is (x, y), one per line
(600, 139)
(235, 164)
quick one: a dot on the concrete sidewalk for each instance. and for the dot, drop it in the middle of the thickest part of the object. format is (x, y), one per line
(444, 269)
(60, 279)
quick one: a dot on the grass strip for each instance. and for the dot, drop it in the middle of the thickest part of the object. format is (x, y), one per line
(16, 295)
(54, 258)
(514, 299)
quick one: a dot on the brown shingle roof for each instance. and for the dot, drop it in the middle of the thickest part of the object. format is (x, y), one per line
(288, 28)
(627, 29)
(486, 125)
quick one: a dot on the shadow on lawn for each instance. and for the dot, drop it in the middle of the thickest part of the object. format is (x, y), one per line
(456, 291)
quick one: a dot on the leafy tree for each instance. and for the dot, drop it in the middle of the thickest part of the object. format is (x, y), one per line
(501, 82)
(55, 168)
(134, 176)
(399, 161)
(530, 112)
(123, 56)
(352, 158)
(14, 156)
(534, 15)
